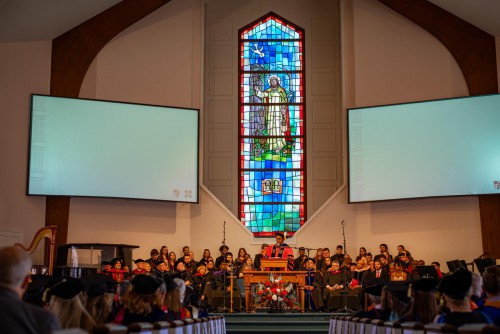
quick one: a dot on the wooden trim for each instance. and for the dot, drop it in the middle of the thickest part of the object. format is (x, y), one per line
(489, 206)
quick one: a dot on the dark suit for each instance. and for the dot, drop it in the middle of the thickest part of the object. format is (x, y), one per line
(299, 263)
(18, 317)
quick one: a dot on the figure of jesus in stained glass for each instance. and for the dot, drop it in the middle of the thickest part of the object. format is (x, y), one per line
(276, 113)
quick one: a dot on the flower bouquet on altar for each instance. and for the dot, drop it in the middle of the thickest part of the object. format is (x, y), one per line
(275, 294)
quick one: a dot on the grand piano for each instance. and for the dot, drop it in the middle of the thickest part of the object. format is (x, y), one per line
(84, 259)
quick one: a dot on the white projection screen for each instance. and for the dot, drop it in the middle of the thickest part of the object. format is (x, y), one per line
(435, 148)
(95, 148)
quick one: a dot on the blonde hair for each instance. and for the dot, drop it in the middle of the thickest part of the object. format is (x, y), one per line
(100, 307)
(71, 312)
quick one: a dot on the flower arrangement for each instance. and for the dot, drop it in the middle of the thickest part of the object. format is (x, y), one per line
(275, 293)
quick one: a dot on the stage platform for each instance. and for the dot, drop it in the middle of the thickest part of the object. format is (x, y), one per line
(261, 322)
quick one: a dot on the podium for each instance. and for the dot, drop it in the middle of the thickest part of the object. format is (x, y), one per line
(274, 263)
(252, 277)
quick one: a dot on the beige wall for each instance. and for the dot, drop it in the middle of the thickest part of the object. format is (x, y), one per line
(25, 69)
(386, 59)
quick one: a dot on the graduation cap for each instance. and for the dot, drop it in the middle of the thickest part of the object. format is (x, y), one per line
(456, 285)
(64, 287)
(138, 261)
(399, 290)
(280, 234)
(145, 284)
(425, 284)
(98, 285)
(375, 289)
(170, 282)
(35, 289)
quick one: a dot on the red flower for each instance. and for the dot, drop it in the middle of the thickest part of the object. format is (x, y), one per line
(268, 283)
(260, 292)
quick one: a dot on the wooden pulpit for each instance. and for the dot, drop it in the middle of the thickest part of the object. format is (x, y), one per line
(274, 264)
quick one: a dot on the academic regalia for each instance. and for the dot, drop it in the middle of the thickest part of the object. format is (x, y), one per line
(332, 297)
(313, 298)
(282, 251)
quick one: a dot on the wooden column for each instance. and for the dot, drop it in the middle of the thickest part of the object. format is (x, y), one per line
(474, 50)
(72, 54)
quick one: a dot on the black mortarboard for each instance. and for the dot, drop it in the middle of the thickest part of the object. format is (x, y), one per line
(281, 234)
(170, 283)
(375, 289)
(138, 261)
(64, 287)
(425, 284)
(457, 284)
(145, 284)
(399, 290)
(35, 289)
(105, 263)
(302, 248)
(98, 285)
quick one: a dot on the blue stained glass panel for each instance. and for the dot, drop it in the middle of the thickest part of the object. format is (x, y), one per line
(272, 127)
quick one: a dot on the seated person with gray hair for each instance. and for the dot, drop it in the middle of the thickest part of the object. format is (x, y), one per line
(18, 316)
(456, 290)
(491, 286)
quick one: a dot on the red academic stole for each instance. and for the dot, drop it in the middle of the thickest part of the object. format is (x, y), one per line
(278, 252)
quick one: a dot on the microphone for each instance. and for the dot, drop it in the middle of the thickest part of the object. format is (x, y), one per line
(342, 223)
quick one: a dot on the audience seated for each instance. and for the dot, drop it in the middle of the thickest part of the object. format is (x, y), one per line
(491, 286)
(339, 255)
(181, 292)
(313, 287)
(139, 263)
(299, 264)
(333, 286)
(398, 273)
(362, 254)
(261, 255)
(206, 256)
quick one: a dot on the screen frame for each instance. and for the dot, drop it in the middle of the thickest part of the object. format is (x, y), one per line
(349, 162)
(196, 193)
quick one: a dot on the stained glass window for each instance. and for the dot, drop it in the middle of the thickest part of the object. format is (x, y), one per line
(272, 141)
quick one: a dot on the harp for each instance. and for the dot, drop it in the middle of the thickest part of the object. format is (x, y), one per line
(47, 232)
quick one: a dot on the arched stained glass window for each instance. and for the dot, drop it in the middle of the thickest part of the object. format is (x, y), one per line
(272, 141)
